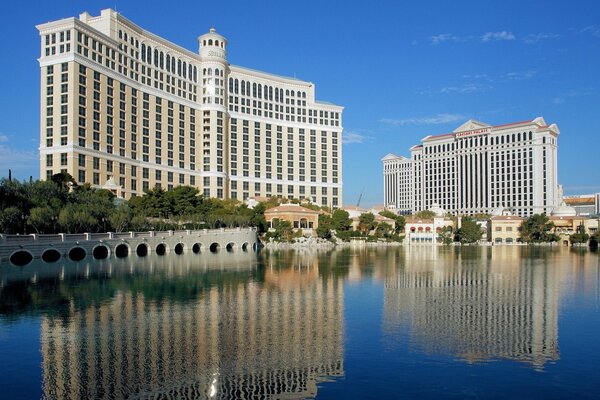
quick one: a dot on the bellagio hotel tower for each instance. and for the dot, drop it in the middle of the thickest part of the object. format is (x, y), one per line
(120, 102)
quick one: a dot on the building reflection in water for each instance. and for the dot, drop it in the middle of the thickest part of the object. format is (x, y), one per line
(272, 330)
(476, 304)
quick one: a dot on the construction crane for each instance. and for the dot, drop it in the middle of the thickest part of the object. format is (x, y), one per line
(360, 197)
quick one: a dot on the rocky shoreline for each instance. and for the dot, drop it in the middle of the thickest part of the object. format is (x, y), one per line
(323, 244)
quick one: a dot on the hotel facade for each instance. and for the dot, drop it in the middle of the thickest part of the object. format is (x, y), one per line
(118, 101)
(478, 168)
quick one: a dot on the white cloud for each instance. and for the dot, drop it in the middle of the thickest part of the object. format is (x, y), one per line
(22, 163)
(537, 37)
(496, 36)
(353, 137)
(592, 30)
(476, 76)
(558, 100)
(444, 37)
(519, 75)
(466, 88)
(432, 120)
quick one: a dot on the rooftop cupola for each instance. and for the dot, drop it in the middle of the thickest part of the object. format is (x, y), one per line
(212, 46)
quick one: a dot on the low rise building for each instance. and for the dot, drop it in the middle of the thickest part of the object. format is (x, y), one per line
(504, 229)
(426, 230)
(354, 213)
(300, 217)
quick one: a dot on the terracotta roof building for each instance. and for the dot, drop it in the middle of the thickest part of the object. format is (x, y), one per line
(300, 217)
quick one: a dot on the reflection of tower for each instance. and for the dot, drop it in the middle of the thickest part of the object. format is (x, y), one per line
(478, 305)
(236, 339)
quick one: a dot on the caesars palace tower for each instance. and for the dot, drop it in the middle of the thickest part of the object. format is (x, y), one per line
(126, 110)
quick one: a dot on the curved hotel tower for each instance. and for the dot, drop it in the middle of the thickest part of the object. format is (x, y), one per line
(476, 169)
(118, 101)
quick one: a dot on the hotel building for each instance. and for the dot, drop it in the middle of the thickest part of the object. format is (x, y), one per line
(118, 101)
(476, 169)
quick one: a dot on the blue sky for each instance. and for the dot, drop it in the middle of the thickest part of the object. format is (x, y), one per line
(402, 70)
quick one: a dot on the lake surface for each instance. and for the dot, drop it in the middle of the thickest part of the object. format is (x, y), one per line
(421, 321)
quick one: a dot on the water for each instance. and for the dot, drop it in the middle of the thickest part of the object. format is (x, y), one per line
(428, 322)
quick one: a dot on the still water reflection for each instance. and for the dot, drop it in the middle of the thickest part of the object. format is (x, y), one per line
(296, 324)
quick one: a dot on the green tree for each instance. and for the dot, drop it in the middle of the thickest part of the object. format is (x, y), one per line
(366, 222)
(469, 232)
(445, 236)
(325, 226)
(425, 214)
(282, 230)
(182, 200)
(10, 220)
(383, 230)
(399, 219)
(42, 219)
(77, 218)
(595, 239)
(120, 218)
(537, 229)
(579, 238)
(340, 220)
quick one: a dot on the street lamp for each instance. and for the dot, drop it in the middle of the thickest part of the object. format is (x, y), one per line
(54, 218)
(104, 222)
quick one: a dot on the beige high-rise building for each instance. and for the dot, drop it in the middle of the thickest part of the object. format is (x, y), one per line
(478, 168)
(118, 101)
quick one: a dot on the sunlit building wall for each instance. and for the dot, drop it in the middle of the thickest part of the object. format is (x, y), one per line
(119, 101)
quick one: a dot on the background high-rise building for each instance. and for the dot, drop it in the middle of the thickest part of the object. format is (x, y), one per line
(478, 168)
(118, 101)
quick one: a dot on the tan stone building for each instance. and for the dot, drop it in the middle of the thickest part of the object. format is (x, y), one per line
(120, 101)
(300, 217)
(505, 229)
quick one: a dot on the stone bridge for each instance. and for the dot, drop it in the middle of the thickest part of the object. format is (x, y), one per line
(22, 249)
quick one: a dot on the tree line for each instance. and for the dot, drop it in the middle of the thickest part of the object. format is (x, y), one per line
(60, 205)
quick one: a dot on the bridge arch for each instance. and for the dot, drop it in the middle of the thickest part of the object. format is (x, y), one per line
(21, 258)
(77, 253)
(230, 247)
(51, 255)
(162, 249)
(215, 247)
(141, 250)
(245, 246)
(100, 252)
(121, 250)
(179, 247)
(196, 248)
